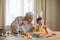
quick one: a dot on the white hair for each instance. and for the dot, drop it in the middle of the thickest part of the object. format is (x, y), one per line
(29, 14)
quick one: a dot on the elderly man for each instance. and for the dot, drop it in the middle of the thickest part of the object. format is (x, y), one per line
(19, 21)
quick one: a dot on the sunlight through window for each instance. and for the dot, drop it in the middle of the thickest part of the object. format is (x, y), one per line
(16, 8)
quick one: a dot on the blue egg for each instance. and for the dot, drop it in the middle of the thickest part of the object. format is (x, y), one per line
(35, 35)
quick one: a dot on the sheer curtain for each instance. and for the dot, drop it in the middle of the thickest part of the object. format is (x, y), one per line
(16, 8)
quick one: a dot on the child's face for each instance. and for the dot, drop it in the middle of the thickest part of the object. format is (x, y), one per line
(40, 22)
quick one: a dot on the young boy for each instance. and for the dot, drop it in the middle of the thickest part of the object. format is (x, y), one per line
(41, 29)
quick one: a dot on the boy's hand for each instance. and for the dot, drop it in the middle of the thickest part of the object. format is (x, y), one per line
(53, 34)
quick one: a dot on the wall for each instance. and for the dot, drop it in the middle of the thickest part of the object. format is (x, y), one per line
(53, 14)
(0, 13)
(57, 15)
(2, 2)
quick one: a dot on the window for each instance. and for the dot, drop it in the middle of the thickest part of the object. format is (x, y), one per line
(16, 8)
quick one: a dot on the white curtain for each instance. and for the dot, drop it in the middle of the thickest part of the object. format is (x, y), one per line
(16, 8)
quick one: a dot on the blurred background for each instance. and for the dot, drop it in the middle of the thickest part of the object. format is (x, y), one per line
(48, 9)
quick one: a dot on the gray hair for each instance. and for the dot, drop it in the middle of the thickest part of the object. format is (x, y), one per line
(29, 14)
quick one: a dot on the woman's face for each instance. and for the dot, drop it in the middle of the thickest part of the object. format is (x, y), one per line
(29, 18)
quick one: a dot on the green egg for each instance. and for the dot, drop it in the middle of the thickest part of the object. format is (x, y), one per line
(33, 38)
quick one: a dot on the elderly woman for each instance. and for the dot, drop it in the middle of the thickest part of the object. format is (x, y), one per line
(26, 22)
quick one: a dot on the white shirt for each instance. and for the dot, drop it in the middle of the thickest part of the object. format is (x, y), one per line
(16, 24)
